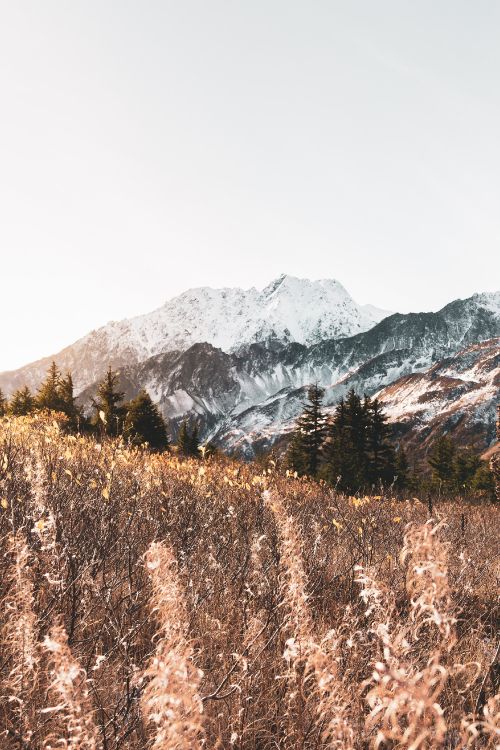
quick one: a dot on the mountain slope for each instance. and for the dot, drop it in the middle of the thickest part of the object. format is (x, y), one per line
(288, 309)
(253, 395)
(249, 392)
(457, 396)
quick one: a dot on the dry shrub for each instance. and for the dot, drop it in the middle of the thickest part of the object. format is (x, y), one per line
(311, 660)
(241, 579)
(20, 657)
(170, 699)
(68, 686)
(406, 686)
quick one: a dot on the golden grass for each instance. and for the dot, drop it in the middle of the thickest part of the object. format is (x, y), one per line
(152, 602)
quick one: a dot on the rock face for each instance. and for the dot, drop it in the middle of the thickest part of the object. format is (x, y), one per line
(245, 381)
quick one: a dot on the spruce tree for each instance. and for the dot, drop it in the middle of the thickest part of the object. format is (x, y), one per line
(380, 453)
(109, 413)
(184, 439)
(194, 441)
(144, 423)
(68, 402)
(48, 395)
(466, 464)
(22, 402)
(357, 417)
(341, 465)
(295, 456)
(402, 469)
(3, 404)
(483, 481)
(441, 458)
(307, 441)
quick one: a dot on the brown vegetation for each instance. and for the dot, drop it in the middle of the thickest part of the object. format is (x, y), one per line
(152, 602)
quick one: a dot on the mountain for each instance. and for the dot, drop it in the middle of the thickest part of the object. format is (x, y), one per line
(252, 396)
(239, 362)
(456, 396)
(288, 310)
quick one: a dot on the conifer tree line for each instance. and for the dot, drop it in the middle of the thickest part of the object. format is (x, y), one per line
(138, 421)
(354, 451)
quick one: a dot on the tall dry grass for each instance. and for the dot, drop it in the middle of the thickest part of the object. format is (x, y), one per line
(170, 699)
(212, 604)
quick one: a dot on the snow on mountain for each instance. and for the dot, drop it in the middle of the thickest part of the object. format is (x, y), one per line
(288, 309)
(253, 396)
(239, 361)
(458, 394)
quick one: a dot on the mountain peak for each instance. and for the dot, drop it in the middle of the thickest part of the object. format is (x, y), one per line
(288, 309)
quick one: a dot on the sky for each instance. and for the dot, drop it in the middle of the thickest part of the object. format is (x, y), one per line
(151, 146)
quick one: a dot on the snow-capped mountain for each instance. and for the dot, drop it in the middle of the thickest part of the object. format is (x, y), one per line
(253, 396)
(239, 362)
(288, 310)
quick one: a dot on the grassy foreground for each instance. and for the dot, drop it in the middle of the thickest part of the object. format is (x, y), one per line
(149, 602)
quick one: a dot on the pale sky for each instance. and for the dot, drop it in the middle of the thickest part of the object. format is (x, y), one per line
(147, 147)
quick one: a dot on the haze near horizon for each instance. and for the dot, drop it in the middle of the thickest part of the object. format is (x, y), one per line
(149, 149)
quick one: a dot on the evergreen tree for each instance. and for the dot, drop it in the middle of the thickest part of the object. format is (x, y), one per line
(22, 402)
(68, 402)
(295, 456)
(402, 469)
(466, 464)
(357, 451)
(194, 441)
(109, 411)
(357, 418)
(346, 446)
(307, 441)
(441, 458)
(48, 395)
(380, 453)
(144, 423)
(483, 481)
(3, 404)
(184, 439)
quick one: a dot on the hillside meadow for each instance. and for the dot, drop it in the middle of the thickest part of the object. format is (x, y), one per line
(150, 601)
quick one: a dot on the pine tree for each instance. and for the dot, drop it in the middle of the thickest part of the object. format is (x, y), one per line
(307, 441)
(68, 402)
(466, 464)
(441, 458)
(109, 411)
(402, 469)
(357, 419)
(48, 395)
(380, 453)
(3, 404)
(22, 402)
(342, 465)
(184, 439)
(144, 423)
(295, 456)
(357, 450)
(194, 441)
(483, 481)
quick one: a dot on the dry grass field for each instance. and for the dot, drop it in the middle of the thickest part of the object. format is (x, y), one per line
(152, 602)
